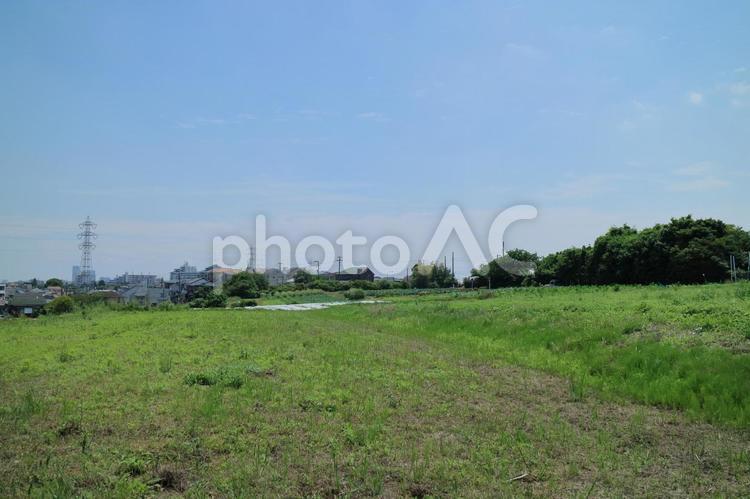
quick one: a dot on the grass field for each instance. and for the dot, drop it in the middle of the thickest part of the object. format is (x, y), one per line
(552, 391)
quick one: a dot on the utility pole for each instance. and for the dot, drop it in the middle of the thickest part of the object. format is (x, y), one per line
(339, 259)
(317, 263)
(453, 264)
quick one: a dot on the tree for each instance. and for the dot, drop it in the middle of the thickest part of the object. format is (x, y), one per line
(686, 250)
(420, 276)
(302, 277)
(53, 282)
(441, 277)
(60, 305)
(245, 285)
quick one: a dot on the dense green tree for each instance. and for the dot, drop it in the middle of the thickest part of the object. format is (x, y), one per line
(245, 285)
(685, 250)
(53, 282)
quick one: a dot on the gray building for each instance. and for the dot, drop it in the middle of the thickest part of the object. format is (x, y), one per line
(185, 272)
(145, 296)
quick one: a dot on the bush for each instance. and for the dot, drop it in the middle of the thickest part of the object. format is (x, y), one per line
(245, 303)
(354, 294)
(60, 305)
(214, 300)
(245, 285)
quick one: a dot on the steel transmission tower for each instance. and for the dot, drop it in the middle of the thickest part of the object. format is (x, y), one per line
(87, 237)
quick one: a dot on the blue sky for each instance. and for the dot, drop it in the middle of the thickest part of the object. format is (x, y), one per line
(172, 122)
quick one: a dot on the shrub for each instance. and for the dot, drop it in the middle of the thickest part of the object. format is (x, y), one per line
(354, 294)
(60, 305)
(245, 303)
(214, 300)
(245, 285)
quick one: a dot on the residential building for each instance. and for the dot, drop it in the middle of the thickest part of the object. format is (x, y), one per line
(275, 277)
(76, 274)
(351, 274)
(134, 279)
(109, 295)
(2, 294)
(185, 272)
(27, 304)
(145, 296)
(218, 275)
(185, 291)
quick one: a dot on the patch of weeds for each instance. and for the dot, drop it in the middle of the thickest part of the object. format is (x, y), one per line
(127, 486)
(309, 405)
(30, 405)
(578, 390)
(230, 376)
(631, 328)
(64, 356)
(202, 379)
(134, 465)
(165, 364)
(170, 478)
(70, 427)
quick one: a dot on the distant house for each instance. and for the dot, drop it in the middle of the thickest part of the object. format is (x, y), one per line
(275, 277)
(109, 295)
(27, 304)
(185, 291)
(54, 291)
(218, 275)
(145, 296)
(351, 274)
(183, 273)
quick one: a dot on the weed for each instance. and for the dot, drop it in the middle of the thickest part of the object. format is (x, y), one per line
(165, 363)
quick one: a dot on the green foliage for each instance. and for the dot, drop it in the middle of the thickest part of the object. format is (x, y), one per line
(354, 294)
(210, 300)
(245, 285)
(437, 275)
(60, 305)
(182, 403)
(54, 282)
(686, 251)
(514, 269)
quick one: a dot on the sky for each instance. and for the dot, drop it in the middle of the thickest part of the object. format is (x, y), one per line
(171, 122)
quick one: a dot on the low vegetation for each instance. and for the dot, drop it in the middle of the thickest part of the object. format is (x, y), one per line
(613, 391)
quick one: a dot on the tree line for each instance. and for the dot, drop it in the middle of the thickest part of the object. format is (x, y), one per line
(684, 251)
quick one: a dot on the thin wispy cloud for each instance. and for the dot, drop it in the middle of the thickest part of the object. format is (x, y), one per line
(695, 98)
(199, 122)
(373, 116)
(698, 177)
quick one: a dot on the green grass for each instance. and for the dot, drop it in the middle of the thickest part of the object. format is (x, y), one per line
(578, 391)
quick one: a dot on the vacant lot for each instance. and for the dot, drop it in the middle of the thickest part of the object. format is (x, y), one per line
(594, 392)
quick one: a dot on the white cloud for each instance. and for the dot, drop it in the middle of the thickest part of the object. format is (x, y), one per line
(373, 116)
(698, 177)
(583, 187)
(740, 88)
(695, 98)
(702, 184)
